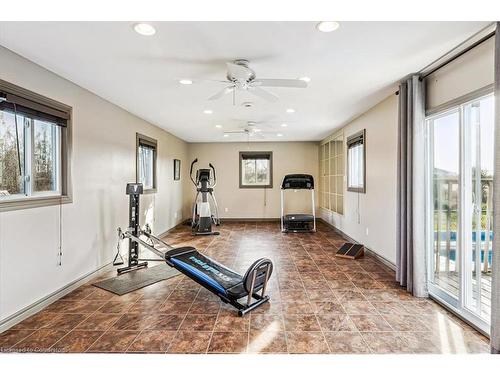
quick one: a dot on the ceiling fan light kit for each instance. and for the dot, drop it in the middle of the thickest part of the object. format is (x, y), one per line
(240, 77)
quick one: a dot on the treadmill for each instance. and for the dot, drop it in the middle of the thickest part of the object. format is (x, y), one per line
(298, 222)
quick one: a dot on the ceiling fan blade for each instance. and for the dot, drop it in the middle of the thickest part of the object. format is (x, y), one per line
(293, 83)
(261, 93)
(221, 93)
(239, 71)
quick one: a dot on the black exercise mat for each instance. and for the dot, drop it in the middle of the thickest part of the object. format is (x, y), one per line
(130, 281)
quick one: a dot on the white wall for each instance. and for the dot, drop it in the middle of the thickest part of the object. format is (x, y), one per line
(376, 225)
(103, 161)
(288, 157)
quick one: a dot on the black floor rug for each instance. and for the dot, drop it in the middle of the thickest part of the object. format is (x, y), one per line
(130, 281)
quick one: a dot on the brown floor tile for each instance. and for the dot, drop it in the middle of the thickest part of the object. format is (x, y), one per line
(386, 342)
(134, 322)
(297, 307)
(145, 306)
(328, 307)
(40, 341)
(11, 337)
(166, 322)
(306, 342)
(98, 322)
(76, 341)
(390, 307)
(321, 295)
(336, 322)
(199, 322)
(116, 307)
(266, 322)
(359, 307)
(113, 341)
(228, 342)
(303, 322)
(65, 322)
(175, 307)
(405, 322)
(370, 323)
(80, 293)
(190, 342)
(100, 295)
(346, 343)
(152, 341)
(272, 307)
(267, 341)
(232, 324)
(36, 321)
(183, 295)
(205, 307)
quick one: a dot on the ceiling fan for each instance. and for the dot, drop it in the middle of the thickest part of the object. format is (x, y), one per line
(241, 77)
(253, 128)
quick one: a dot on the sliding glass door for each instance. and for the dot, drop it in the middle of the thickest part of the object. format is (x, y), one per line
(459, 202)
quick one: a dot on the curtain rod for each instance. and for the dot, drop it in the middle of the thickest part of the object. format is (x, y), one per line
(461, 53)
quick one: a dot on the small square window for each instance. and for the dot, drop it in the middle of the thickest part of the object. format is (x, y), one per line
(356, 160)
(256, 169)
(146, 162)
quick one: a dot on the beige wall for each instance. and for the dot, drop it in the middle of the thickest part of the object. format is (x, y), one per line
(373, 221)
(103, 161)
(288, 157)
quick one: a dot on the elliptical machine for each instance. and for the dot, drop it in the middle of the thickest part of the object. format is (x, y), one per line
(201, 223)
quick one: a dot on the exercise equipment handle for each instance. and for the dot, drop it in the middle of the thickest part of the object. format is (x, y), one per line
(215, 176)
(191, 171)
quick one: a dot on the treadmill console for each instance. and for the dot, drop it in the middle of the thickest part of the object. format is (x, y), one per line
(134, 188)
(298, 181)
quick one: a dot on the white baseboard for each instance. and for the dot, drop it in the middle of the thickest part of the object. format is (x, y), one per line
(39, 305)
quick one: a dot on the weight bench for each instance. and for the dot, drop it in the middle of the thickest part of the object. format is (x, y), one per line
(228, 285)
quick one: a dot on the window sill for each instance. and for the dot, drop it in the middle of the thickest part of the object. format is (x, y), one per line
(33, 202)
(149, 191)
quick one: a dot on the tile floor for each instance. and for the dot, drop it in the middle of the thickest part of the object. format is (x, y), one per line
(319, 304)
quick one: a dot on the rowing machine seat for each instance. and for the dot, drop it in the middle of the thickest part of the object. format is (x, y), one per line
(221, 280)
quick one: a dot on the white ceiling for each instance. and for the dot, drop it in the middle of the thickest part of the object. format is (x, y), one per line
(351, 69)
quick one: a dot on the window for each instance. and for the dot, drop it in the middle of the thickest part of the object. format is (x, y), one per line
(356, 160)
(256, 169)
(332, 165)
(33, 149)
(146, 162)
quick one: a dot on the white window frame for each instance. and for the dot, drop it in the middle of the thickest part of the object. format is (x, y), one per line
(459, 304)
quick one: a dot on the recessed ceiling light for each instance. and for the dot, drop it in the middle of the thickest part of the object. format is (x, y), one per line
(218, 126)
(208, 111)
(256, 130)
(327, 26)
(305, 79)
(144, 29)
(226, 135)
(284, 125)
(290, 110)
(185, 82)
(279, 135)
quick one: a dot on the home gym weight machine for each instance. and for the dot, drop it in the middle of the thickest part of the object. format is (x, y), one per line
(201, 223)
(133, 234)
(227, 284)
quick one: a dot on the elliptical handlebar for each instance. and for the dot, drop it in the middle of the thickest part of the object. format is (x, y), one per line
(191, 171)
(215, 176)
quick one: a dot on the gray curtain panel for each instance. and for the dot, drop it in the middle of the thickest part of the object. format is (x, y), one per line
(495, 271)
(410, 245)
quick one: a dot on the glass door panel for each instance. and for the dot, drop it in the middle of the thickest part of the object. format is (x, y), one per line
(478, 169)
(445, 175)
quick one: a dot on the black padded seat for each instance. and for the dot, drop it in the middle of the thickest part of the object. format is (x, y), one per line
(207, 271)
